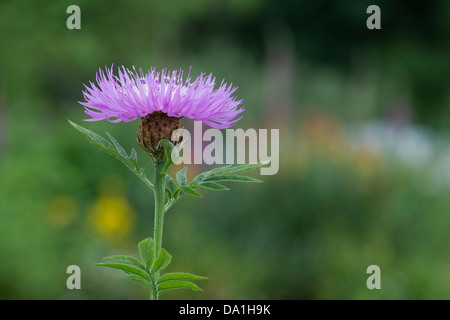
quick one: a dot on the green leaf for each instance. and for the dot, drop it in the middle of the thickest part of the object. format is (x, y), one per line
(170, 150)
(181, 177)
(232, 178)
(126, 268)
(208, 180)
(190, 191)
(171, 285)
(175, 154)
(140, 280)
(177, 193)
(147, 251)
(179, 276)
(126, 259)
(215, 170)
(117, 145)
(161, 262)
(227, 170)
(199, 178)
(116, 151)
(95, 138)
(211, 186)
(170, 185)
(168, 147)
(133, 156)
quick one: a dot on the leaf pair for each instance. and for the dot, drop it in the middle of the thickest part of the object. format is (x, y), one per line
(146, 272)
(207, 180)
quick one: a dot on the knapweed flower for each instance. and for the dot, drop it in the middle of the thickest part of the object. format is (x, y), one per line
(160, 99)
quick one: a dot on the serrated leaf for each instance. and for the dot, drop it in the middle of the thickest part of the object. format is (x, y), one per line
(117, 145)
(161, 262)
(147, 251)
(181, 177)
(126, 268)
(211, 186)
(179, 276)
(171, 285)
(190, 191)
(232, 178)
(126, 259)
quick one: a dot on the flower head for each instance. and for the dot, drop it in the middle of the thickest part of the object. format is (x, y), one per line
(133, 94)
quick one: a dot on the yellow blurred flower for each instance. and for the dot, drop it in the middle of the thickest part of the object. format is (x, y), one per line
(112, 216)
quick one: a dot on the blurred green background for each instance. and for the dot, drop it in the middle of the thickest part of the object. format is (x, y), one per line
(364, 149)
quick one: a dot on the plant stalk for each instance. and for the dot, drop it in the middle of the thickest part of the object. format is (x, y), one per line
(160, 177)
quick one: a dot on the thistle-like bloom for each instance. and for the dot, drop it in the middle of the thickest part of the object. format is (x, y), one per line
(133, 94)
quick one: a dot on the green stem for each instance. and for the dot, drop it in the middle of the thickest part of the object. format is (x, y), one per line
(154, 294)
(160, 178)
(159, 207)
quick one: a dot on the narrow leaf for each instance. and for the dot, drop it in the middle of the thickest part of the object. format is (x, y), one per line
(190, 191)
(126, 268)
(171, 285)
(212, 186)
(147, 251)
(140, 280)
(181, 177)
(177, 193)
(161, 262)
(215, 170)
(94, 138)
(133, 156)
(117, 145)
(170, 185)
(232, 178)
(168, 146)
(175, 154)
(116, 151)
(199, 178)
(236, 169)
(126, 259)
(179, 276)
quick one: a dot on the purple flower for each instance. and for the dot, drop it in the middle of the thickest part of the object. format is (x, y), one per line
(133, 94)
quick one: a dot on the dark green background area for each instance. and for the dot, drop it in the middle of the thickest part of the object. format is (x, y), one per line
(364, 154)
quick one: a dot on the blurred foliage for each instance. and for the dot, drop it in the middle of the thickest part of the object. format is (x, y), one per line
(364, 161)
